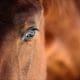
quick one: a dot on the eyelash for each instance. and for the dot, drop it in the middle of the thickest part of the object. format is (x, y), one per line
(28, 34)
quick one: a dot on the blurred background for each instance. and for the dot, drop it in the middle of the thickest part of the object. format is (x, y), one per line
(62, 39)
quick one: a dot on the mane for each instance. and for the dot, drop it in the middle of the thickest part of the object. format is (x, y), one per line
(29, 6)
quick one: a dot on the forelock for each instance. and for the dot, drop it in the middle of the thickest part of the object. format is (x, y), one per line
(28, 5)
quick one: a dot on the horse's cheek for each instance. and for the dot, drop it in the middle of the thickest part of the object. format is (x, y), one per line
(25, 61)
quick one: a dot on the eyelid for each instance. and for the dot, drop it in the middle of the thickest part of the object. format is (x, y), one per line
(33, 28)
(30, 28)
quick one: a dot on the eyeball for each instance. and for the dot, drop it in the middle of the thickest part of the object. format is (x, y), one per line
(28, 34)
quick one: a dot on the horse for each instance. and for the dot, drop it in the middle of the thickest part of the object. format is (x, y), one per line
(39, 40)
(21, 40)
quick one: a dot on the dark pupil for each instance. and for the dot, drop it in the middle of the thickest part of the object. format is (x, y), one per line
(30, 34)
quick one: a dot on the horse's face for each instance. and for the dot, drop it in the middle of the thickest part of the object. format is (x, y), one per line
(21, 56)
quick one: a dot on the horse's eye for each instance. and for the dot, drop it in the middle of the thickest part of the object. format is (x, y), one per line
(28, 34)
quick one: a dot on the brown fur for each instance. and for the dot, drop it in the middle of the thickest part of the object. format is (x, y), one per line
(59, 20)
(21, 60)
